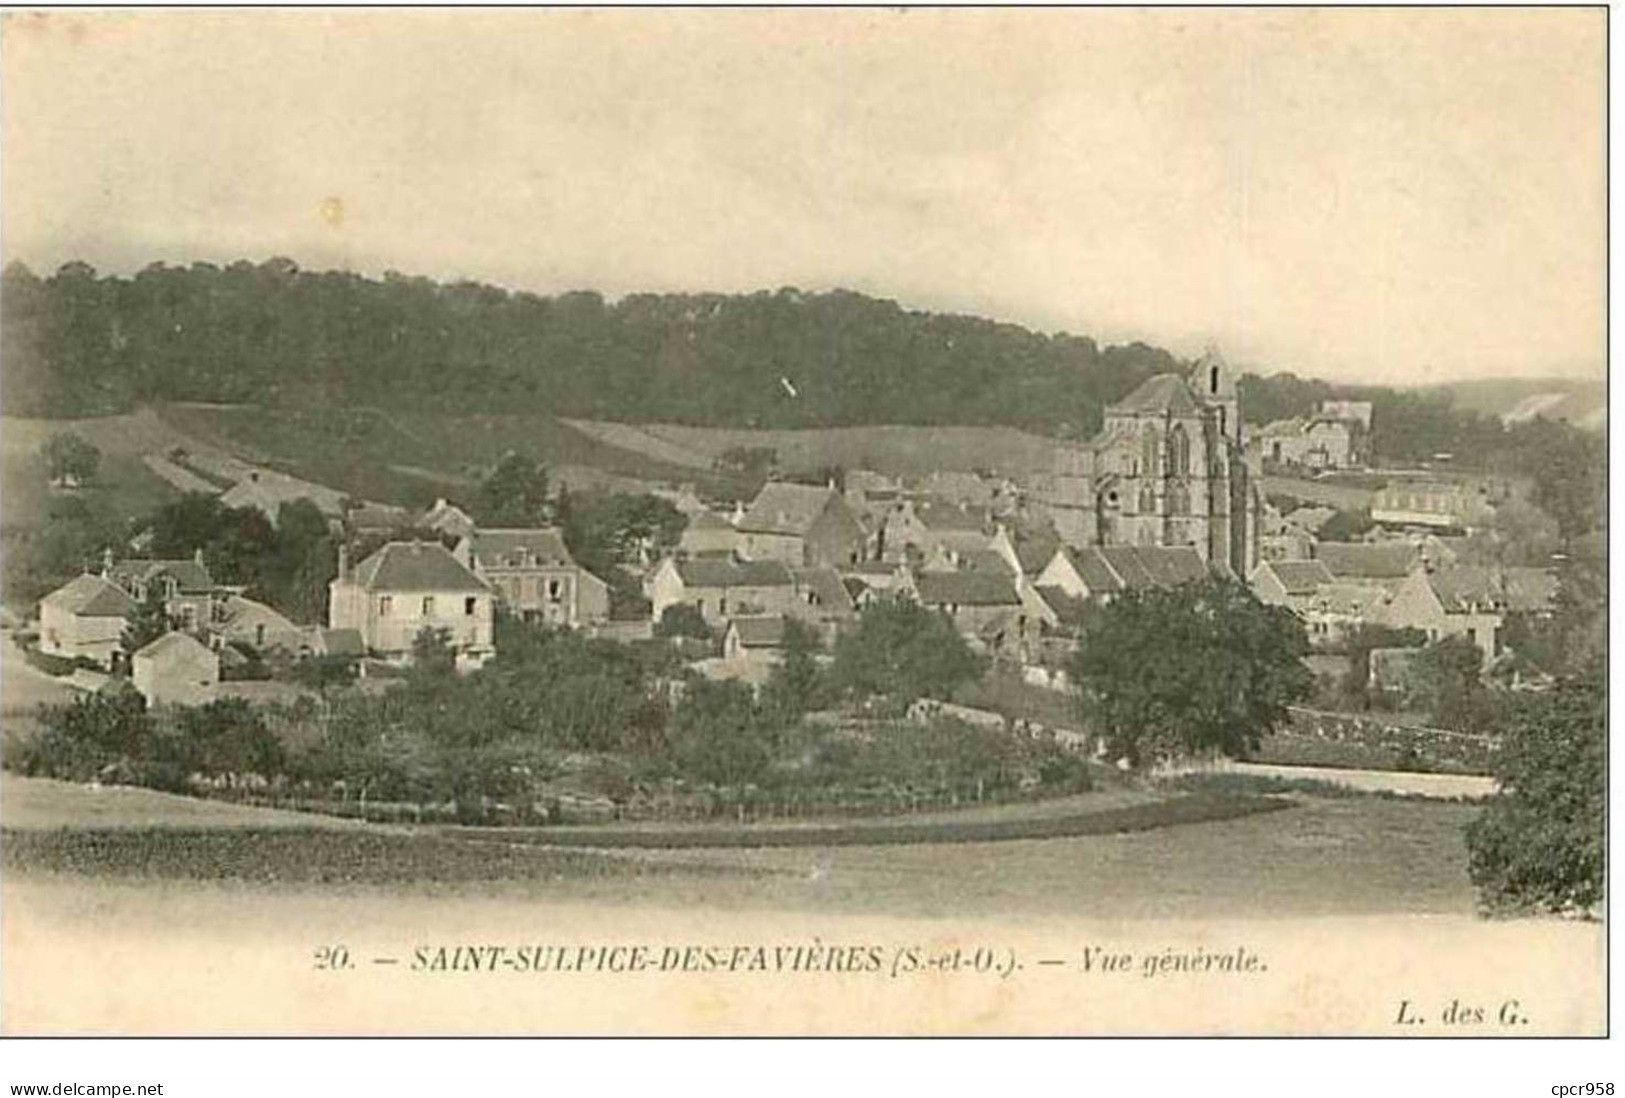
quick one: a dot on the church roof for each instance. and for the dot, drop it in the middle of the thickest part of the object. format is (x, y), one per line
(1165, 393)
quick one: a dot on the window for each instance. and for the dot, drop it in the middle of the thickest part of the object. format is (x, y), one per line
(428, 606)
(470, 605)
(1179, 451)
(555, 590)
(1149, 453)
(259, 636)
(385, 605)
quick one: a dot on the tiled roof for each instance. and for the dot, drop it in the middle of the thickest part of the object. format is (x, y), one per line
(238, 610)
(1470, 588)
(416, 566)
(760, 631)
(1034, 553)
(1146, 566)
(340, 642)
(942, 515)
(1068, 609)
(1300, 577)
(707, 572)
(519, 548)
(784, 508)
(1384, 560)
(826, 587)
(191, 576)
(1355, 600)
(1164, 393)
(92, 597)
(990, 561)
(1092, 568)
(172, 644)
(708, 520)
(966, 589)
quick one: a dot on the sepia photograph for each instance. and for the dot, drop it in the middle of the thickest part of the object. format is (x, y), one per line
(804, 522)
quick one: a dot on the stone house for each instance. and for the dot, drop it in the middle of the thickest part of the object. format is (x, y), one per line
(534, 576)
(446, 518)
(1469, 601)
(721, 589)
(188, 590)
(755, 639)
(917, 529)
(985, 608)
(238, 620)
(406, 587)
(1100, 572)
(800, 524)
(176, 669)
(709, 534)
(85, 618)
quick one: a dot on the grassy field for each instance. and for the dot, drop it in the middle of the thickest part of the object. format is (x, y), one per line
(399, 457)
(898, 450)
(123, 479)
(1322, 856)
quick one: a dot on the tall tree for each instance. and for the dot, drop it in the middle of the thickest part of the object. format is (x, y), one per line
(1204, 667)
(1541, 841)
(513, 494)
(69, 459)
(905, 651)
(146, 622)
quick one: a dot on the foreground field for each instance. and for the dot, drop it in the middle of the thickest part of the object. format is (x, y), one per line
(1320, 856)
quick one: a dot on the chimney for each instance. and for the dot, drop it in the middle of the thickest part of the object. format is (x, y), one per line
(197, 556)
(107, 562)
(344, 560)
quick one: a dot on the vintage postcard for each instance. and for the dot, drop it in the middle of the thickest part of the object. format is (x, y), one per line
(909, 522)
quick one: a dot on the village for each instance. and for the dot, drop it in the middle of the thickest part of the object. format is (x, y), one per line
(1174, 489)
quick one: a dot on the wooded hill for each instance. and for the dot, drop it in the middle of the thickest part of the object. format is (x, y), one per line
(80, 344)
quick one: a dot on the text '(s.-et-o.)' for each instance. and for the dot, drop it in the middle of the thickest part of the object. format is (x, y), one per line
(814, 957)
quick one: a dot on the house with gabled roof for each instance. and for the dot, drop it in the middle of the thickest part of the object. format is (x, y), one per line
(800, 524)
(252, 624)
(446, 518)
(986, 608)
(709, 534)
(534, 576)
(406, 587)
(187, 588)
(176, 669)
(915, 529)
(85, 618)
(1383, 563)
(1469, 601)
(1100, 572)
(721, 589)
(1289, 582)
(266, 491)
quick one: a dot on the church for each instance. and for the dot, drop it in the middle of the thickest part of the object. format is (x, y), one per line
(1166, 469)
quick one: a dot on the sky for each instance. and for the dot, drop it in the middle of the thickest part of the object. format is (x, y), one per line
(1396, 196)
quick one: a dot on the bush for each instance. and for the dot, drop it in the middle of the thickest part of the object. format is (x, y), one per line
(1540, 844)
